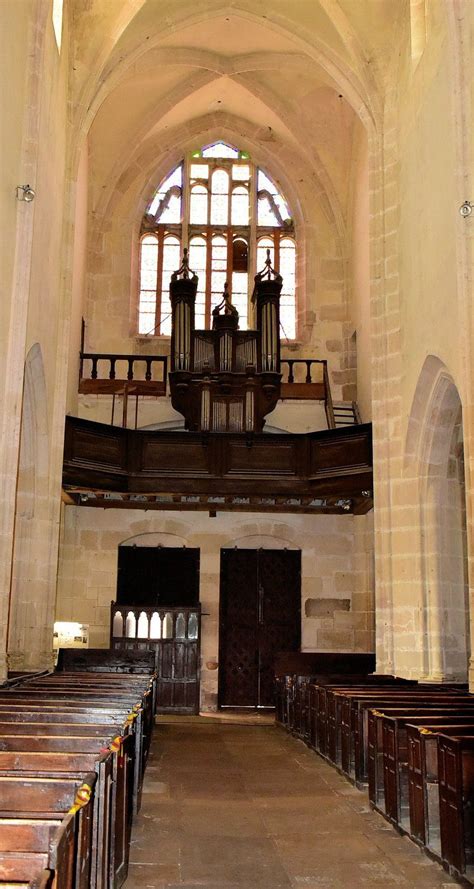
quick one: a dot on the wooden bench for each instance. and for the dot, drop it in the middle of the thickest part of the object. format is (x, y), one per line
(114, 792)
(54, 728)
(423, 776)
(356, 710)
(50, 799)
(72, 713)
(39, 845)
(456, 793)
(391, 750)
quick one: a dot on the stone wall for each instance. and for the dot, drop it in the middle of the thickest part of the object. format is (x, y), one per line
(337, 576)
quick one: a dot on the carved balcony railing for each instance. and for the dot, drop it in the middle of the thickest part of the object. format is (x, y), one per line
(124, 376)
(104, 373)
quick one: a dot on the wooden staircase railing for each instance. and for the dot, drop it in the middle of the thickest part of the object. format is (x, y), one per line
(315, 385)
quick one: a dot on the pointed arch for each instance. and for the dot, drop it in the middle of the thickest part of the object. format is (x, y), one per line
(435, 459)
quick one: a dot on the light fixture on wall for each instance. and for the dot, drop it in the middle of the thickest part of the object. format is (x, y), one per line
(466, 208)
(25, 193)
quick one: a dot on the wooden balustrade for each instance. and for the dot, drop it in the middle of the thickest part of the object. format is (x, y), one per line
(114, 373)
(102, 373)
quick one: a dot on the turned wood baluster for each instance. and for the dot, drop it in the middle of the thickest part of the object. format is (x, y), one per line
(112, 369)
(148, 369)
(94, 368)
(130, 369)
(291, 378)
(308, 371)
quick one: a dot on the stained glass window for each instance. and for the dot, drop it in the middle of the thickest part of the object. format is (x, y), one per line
(218, 269)
(171, 262)
(229, 212)
(288, 293)
(220, 149)
(166, 205)
(198, 263)
(148, 280)
(220, 198)
(198, 212)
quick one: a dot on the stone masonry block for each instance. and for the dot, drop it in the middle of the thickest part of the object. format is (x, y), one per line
(324, 608)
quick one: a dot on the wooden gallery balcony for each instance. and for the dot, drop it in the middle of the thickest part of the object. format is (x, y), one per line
(317, 472)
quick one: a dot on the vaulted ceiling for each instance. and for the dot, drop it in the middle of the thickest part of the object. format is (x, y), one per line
(290, 78)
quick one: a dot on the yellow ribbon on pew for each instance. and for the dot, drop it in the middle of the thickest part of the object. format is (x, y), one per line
(83, 796)
(425, 731)
(131, 717)
(116, 744)
(377, 713)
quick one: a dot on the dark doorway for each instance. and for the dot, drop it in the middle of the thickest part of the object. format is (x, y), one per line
(260, 615)
(158, 575)
(158, 607)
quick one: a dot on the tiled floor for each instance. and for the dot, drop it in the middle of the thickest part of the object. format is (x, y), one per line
(231, 806)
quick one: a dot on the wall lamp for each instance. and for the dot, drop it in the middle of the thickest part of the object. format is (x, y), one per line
(466, 208)
(25, 193)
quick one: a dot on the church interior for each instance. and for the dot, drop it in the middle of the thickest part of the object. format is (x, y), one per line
(237, 447)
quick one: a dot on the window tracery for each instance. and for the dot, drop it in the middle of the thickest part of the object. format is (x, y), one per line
(228, 212)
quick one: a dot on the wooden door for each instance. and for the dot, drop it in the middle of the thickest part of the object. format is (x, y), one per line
(260, 615)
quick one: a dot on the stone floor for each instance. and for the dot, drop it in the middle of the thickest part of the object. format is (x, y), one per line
(232, 806)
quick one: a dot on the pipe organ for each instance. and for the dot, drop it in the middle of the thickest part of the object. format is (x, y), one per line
(225, 379)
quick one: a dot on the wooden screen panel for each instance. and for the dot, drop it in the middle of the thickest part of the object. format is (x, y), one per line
(175, 454)
(278, 460)
(328, 454)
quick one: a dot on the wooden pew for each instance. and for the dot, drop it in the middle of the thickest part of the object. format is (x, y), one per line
(38, 844)
(456, 793)
(324, 706)
(292, 664)
(395, 754)
(54, 726)
(53, 744)
(51, 799)
(114, 796)
(73, 714)
(356, 744)
(69, 697)
(423, 777)
(347, 724)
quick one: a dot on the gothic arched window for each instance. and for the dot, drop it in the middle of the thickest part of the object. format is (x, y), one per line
(228, 212)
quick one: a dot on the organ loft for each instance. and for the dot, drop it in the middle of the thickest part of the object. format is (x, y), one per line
(236, 444)
(225, 379)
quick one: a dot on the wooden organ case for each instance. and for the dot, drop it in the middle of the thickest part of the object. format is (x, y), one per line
(225, 379)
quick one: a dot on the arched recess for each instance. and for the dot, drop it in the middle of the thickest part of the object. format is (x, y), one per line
(30, 630)
(155, 538)
(435, 453)
(262, 541)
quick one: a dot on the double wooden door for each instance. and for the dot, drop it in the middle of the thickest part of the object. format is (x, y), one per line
(260, 615)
